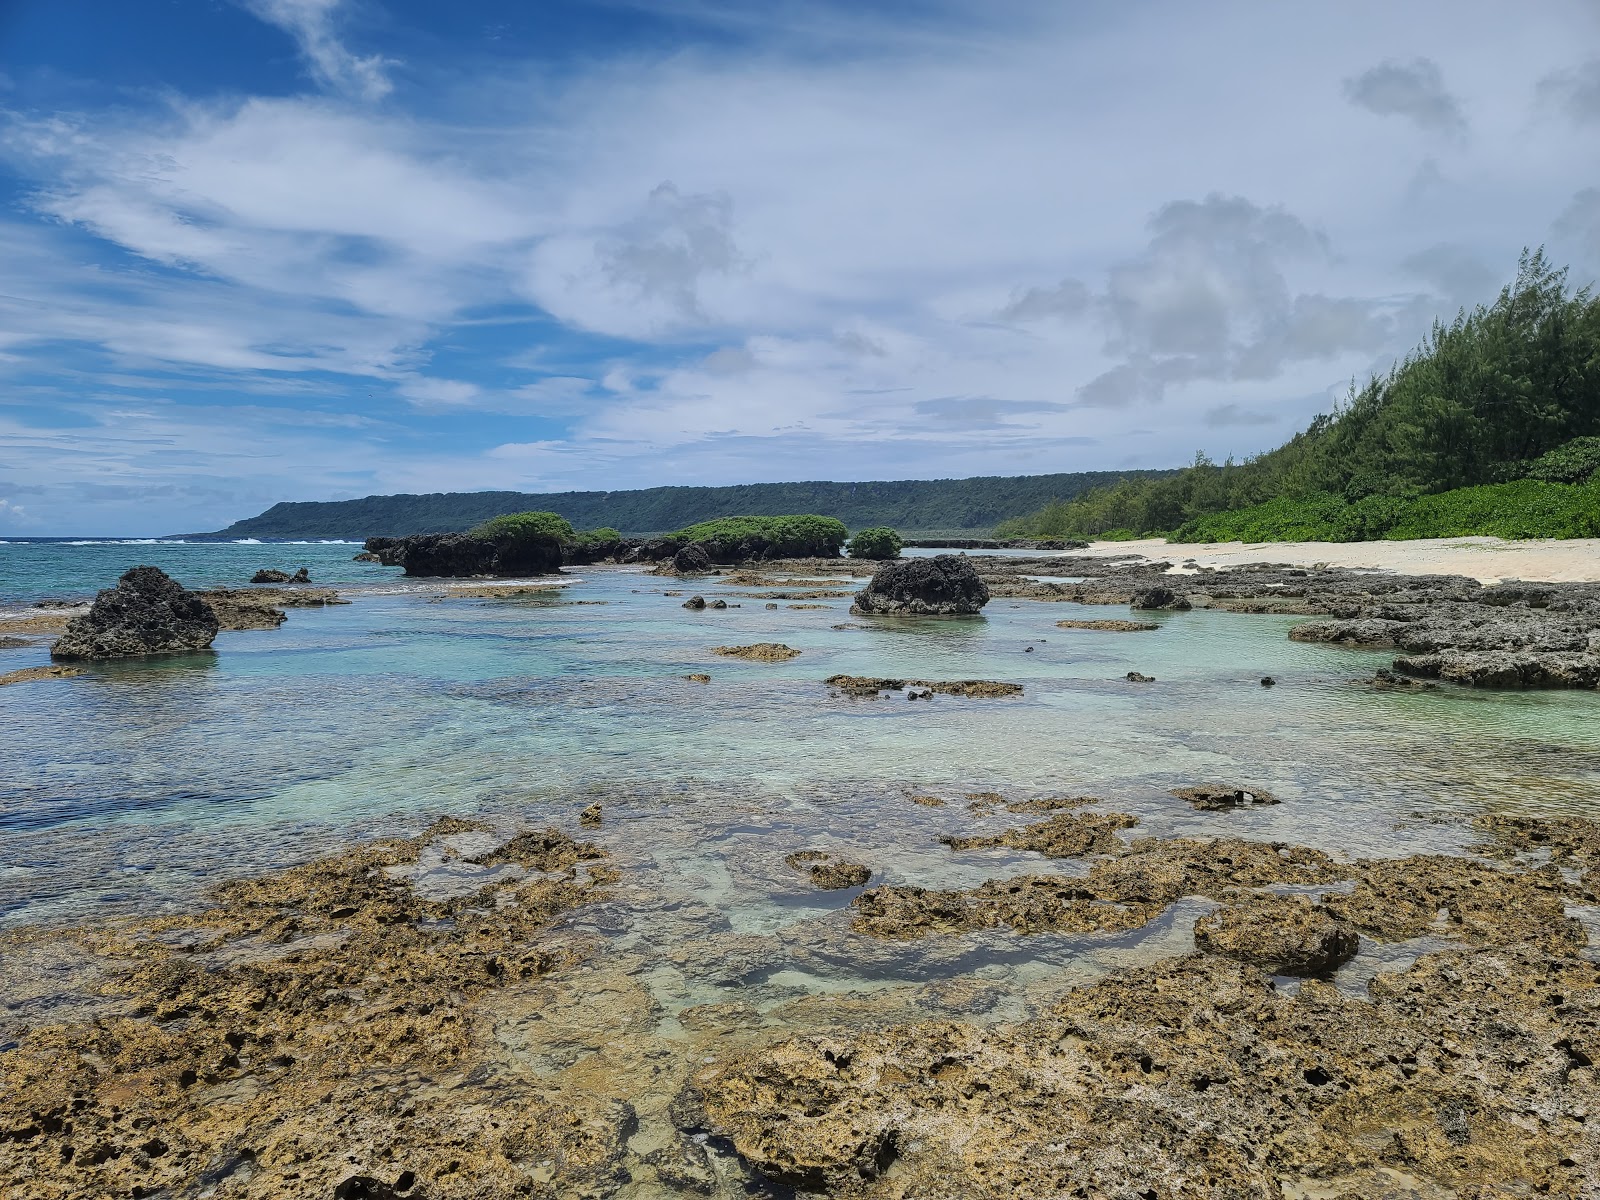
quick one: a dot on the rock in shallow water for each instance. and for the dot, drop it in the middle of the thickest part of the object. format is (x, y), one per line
(943, 586)
(1283, 935)
(148, 612)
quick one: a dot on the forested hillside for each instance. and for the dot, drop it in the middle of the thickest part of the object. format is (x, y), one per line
(1484, 428)
(971, 505)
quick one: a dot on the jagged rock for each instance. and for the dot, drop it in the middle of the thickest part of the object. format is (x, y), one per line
(698, 677)
(696, 603)
(719, 602)
(691, 560)
(262, 608)
(1064, 835)
(1468, 1074)
(460, 555)
(827, 871)
(366, 556)
(943, 586)
(1139, 677)
(269, 575)
(1283, 935)
(1159, 598)
(1513, 669)
(593, 815)
(148, 612)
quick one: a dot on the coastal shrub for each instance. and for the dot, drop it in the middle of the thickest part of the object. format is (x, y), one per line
(1526, 508)
(878, 541)
(591, 545)
(513, 529)
(1574, 462)
(734, 539)
(532, 543)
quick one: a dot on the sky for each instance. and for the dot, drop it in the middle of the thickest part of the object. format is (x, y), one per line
(264, 250)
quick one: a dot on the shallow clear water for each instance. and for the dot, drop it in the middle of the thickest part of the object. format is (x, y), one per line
(131, 787)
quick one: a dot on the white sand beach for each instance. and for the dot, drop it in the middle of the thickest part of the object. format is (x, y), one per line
(1486, 559)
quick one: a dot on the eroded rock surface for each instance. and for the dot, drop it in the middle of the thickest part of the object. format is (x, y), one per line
(1283, 935)
(828, 871)
(943, 586)
(760, 652)
(315, 1027)
(1110, 626)
(1064, 835)
(1119, 893)
(147, 612)
(1196, 1078)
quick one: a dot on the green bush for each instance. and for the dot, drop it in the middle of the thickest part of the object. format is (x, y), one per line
(512, 529)
(878, 541)
(1574, 462)
(1527, 508)
(735, 539)
(603, 536)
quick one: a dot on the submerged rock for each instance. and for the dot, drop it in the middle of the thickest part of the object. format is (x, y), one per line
(148, 612)
(1110, 626)
(872, 684)
(827, 871)
(1283, 935)
(694, 603)
(1139, 677)
(34, 674)
(262, 608)
(760, 652)
(943, 586)
(1213, 798)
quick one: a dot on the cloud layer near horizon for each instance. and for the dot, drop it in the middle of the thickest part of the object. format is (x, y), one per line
(840, 246)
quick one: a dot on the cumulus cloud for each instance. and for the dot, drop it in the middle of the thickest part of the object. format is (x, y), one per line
(1209, 299)
(1575, 91)
(1414, 91)
(311, 24)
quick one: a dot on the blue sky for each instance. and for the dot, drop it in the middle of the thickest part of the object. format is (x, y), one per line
(262, 250)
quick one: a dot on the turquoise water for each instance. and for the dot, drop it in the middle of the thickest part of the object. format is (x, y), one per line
(131, 787)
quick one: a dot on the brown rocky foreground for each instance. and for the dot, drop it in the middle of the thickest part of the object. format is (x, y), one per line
(355, 1028)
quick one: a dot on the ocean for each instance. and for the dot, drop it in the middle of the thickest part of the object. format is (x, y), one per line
(134, 787)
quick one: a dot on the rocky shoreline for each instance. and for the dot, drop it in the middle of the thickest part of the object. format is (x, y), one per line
(370, 1025)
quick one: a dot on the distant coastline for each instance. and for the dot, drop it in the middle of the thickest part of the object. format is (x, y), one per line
(918, 507)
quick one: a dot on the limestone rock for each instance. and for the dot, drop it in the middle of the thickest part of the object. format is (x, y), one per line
(148, 612)
(1283, 935)
(760, 652)
(943, 586)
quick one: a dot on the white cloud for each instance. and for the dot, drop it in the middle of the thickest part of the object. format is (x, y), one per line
(311, 24)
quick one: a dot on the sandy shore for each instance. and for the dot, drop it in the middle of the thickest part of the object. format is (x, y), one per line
(1486, 559)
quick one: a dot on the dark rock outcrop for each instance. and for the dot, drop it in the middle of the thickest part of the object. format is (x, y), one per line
(148, 612)
(691, 560)
(1157, 598)
(695, 603)
(262, 607)
(460, 554)
(269, 575)
(944, 586)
